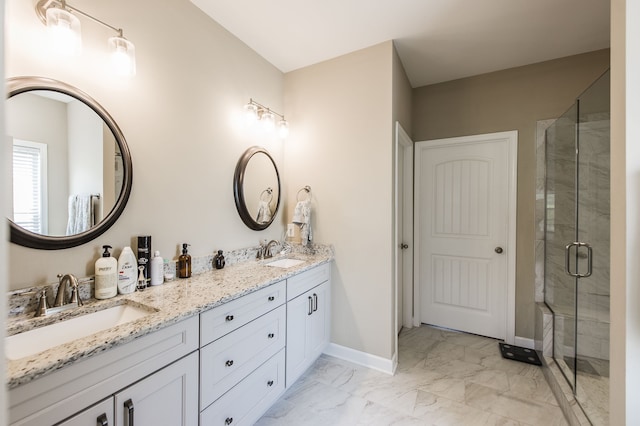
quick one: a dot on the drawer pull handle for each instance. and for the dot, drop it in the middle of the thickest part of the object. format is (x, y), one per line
(229, 318)
(229, 363)
(310, 311)
(271, 335)
(228, 420)
(128, 405)
(270, 383)
(315, 302)
(272, 298)
(102, 420)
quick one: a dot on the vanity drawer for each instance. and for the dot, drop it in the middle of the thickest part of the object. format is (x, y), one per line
(223, 319)
(229, 359)
(307, 280)
(245, 403)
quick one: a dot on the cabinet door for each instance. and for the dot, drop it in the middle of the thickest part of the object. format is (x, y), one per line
(320, 320)
(308, 329)
(167, 397)
(298, 312)
(100, 414)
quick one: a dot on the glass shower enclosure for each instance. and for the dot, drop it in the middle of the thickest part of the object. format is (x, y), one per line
(577, 246)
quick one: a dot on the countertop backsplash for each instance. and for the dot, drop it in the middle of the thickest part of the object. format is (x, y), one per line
(24, 301)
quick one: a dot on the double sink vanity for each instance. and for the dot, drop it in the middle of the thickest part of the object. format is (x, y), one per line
(216, 349)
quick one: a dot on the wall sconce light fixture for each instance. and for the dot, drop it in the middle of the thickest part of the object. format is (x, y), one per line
(257, 112)
(64, 27)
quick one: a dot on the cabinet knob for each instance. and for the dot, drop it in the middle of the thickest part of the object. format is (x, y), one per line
(499, 250)
(272, 298)
(228, 420)
(271, 335)
(270, 383)
(102, 420)
(229, 363)
(229, 318)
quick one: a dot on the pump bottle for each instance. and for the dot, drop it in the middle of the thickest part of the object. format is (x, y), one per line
(106, 281)
(184, 263)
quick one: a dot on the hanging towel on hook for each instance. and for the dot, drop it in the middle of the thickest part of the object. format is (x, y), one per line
(264, 212)
(79, 214)
(302, 218)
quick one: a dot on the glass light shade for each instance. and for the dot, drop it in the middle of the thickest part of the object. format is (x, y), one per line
(268, 120)
(64, 30)
(283, 128)
(251, 113)
(123, 56)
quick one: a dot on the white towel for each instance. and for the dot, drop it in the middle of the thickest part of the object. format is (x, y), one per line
(264, 212)
(302, 218)
(79, 214)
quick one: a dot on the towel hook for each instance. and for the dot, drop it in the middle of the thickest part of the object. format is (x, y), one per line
(307, 189)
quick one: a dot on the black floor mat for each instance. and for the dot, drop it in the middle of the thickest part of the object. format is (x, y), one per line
(519, 354)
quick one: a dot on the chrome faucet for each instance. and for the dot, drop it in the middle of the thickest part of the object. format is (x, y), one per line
(62, 290)
(267, 248)
(60, 304)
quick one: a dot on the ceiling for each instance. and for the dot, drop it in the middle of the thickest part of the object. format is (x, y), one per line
(437, 40)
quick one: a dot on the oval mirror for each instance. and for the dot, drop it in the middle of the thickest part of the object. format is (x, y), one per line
(72, 170)
(256, 188)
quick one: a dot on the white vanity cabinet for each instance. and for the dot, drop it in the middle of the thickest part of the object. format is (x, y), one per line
(308, 319)
(242, 357)
(168, 396)
(100, 414)
(149, 362)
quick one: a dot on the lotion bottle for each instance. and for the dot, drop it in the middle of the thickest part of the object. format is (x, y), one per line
(127, 273)
(106, 281)
(184, 263)
(157, 269)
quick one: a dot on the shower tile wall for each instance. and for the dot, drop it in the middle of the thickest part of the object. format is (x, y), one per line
(593, 300)
(544, 317)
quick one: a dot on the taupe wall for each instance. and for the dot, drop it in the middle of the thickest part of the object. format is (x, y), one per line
(341, 146)
(625, 213)
(182, 118)
(512, 99)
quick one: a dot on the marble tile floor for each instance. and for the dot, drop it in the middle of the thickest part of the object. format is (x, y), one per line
(443, 378)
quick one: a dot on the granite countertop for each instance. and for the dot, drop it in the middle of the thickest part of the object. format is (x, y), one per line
(169, 303)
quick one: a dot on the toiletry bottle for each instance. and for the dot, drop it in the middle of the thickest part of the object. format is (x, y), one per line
(127, 273)
(144, 256)
(157, 269)
(142, 281)
(184, 263)
(106, 281)
(218, 260)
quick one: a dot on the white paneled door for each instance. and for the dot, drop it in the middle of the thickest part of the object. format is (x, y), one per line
(465, 233)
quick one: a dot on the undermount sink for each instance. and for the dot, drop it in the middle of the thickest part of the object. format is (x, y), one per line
(285, 263)
(46, 337)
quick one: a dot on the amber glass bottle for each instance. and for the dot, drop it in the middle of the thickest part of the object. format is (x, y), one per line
(184, 263)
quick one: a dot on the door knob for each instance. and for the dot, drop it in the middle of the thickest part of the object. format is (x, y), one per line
(499, 250)
(404, 246)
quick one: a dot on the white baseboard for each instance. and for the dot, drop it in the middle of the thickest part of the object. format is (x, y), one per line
(362, 358)
(523, 342)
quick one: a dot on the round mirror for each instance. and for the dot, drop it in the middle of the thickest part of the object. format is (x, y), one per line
(256, 188)
(72, 169)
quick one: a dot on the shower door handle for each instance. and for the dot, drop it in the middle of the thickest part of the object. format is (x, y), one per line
(567, 259)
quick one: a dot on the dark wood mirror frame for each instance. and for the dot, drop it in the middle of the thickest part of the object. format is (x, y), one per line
(18, 235)
(238, 189)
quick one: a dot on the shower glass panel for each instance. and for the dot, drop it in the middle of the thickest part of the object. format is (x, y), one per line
(561, 229)
(592, 325)
(577, 246)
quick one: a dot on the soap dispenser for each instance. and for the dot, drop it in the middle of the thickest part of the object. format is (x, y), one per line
(218, 260)
(106, 280)
(184, 263)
